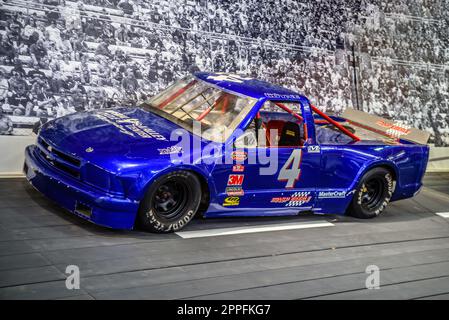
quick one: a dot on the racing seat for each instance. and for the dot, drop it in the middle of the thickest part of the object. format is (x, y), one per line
(276, 126)
(291, 135)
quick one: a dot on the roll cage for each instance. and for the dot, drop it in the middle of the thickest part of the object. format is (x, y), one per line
(223, 99)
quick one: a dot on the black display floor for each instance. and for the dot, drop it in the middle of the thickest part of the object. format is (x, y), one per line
(249, 258)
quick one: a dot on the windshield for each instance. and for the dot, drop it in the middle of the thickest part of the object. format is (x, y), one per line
(190, 100)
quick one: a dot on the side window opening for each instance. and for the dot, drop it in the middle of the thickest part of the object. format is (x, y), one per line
(327, 133)
(279, 124)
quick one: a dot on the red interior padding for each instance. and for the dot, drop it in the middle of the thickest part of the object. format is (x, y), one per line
(224, 108)
(176, 94)
(277, 125)
(223, 98)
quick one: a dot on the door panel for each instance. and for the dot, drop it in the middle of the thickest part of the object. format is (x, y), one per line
(268, 181)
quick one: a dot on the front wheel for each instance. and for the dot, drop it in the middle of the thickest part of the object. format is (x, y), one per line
(372, 194)
(170, 202)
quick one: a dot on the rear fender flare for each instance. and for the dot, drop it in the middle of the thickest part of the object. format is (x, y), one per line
(379, 163)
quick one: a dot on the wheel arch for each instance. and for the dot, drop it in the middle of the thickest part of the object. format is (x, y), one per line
(391, 167)
(377, 164)
(207, 185)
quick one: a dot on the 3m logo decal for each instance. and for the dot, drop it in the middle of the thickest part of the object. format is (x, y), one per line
(231, 201)
(235, 179)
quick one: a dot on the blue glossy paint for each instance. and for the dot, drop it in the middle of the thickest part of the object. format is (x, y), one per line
(109, 171)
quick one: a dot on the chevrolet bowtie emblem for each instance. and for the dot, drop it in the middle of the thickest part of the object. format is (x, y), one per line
(90, 149)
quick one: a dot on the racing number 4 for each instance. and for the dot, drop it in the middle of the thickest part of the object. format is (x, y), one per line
(290, 171)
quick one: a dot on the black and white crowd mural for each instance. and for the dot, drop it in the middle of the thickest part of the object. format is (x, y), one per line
(390, 58)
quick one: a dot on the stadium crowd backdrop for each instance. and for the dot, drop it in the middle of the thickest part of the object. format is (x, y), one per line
(390, 58)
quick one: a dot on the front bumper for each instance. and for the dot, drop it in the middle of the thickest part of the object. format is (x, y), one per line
(84, 201)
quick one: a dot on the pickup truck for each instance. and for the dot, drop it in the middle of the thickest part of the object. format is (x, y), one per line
(218, 144)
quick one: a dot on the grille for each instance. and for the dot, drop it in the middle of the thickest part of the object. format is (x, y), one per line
(60, 160)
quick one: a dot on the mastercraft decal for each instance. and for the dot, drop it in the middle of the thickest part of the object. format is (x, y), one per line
(332, 194)
(127, 125)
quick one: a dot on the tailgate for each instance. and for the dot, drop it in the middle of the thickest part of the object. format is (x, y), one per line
(385, 127)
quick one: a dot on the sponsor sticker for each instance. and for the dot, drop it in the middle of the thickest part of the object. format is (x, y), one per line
(239, 155)
(280, 199)
(281, 96)
(313, 149)
(130, 126)
(332, 194)
(295, 200)
(238, 168)
(221, 76)
(234, 191)
(298, 199)
(170, 150)
(231, 201)
(235, 179)
(394, 128)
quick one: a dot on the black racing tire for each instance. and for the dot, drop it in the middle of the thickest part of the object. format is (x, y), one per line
(170, 202)
(373, 194)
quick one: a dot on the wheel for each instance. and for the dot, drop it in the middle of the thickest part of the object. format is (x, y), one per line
(372, 194)
(170, 202)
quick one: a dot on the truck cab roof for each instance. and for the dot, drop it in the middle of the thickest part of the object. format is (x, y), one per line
(249, 86)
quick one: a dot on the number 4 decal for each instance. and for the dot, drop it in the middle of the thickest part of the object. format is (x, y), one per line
(290, 171)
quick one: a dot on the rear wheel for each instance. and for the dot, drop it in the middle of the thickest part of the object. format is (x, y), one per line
(372, 194)
(170, 202)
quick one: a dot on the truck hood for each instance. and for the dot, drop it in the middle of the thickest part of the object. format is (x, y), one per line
(112, 135)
